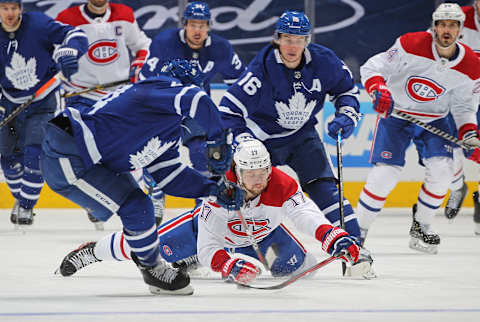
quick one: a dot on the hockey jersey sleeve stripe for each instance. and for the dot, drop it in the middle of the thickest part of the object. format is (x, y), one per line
(171, 176)
(88, 138)
(74, 33)
(230, 81)
(226, 110)
(164, 164)
(180, 221)
(237, 103)
(195, 100)
(178, 98)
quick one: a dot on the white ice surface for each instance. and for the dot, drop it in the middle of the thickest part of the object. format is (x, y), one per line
(411, 286)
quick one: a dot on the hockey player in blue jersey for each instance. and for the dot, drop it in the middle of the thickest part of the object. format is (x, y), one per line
(209, 53)
(276, 101)
(27, 41)
(88, 158)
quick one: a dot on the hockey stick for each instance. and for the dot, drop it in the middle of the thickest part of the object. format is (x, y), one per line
(48, 84)
(293, 278)
(340, 188)
(432, 129)
(97, 87)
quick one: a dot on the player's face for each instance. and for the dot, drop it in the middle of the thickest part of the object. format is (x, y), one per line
(98, 3)
(291, 49)
(255, 181)
(10, 14)
(446, 32)
(196, 32)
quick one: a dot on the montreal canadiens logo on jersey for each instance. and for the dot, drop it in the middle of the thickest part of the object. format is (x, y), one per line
(422, 89)
(259, 227)
(103, 52)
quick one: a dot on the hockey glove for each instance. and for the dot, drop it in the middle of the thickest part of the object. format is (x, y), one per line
(346, 119)
(381, 96)
(2, 113)
(228, 195)
(468, 134)
(137, 65)
(239, 270)
(67, 60)
(337, 242)
(220, 153)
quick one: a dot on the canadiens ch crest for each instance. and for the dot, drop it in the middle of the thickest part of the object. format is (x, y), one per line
(103, 52)
(422, 89)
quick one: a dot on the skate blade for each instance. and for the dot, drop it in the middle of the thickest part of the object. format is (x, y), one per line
(187, 290)
(361, 270)
(416, 244)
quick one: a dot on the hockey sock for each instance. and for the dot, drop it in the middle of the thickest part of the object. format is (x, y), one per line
(113, 247)
(428, 203)
(32, 180)
(325, 194)
(12, 167)
(458, 177)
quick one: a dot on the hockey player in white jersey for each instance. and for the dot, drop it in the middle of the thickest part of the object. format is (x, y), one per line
(87, 158)
(212, 235)
(426, 75)
(27, 63)
(113, 36)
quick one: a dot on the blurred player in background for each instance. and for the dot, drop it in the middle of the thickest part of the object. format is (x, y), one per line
(426, 75)
(113, 36)
(28, 62)
(212, 235)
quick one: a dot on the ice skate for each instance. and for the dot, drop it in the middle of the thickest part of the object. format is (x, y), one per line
(476, 213)
(423, 238)
(78, 259)
(363, 267)
(187, 264)
(14, 213)
(455, 202)
(24, 217)
(163, 279)
(97, 223)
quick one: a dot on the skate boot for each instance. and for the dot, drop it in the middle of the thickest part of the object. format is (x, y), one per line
(363, 267)
(187, 264)
(14, 213)
(98, 223)
(25, 216)
(163, 279)
(423, 238)
(455, 202)
(476, 213)
(78, 259)
(158, 208)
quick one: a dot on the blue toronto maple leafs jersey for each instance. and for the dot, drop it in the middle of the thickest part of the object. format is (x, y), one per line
(274, 102)
(26, 55)
(139, 123)
(216, 56)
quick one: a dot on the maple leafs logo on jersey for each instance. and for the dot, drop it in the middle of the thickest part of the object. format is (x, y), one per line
(22, 74)
(296, 113)
(150, 152)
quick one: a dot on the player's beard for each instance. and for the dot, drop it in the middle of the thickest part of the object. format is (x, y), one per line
(255, 190)
(98, 4)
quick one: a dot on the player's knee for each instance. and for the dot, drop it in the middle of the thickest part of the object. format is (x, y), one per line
(383, 178)
(12, 165)
(438, 173)
(136, 212)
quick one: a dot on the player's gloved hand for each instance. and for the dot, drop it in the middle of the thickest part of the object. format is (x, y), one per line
(382, 98)
(337, 242)
(220, 153)
(137, 64)
(2, 113)
(239, 270)
(469, 137)
(227, 194)
(346, 119)
(473, 154)
(67, 59)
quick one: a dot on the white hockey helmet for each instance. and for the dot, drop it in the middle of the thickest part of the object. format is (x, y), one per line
(251, 154)
(448, 11)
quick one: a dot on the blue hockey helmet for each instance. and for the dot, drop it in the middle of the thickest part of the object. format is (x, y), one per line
(14, 1)
(196, 10)
(293, 23)
(183, 70)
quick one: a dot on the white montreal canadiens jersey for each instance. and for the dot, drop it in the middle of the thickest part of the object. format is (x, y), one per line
(109, 39)
(423, 84)
(283, 198)
(471, 29)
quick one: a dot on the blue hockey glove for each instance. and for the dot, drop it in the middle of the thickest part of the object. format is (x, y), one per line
(220, 153)
(228, 195)
(337, 242)
(2, 113)
(346, 119)
(67, 60)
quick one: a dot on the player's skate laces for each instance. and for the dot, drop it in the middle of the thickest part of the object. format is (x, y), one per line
(14, 213)
(423, 238)
(187, 264)
(98, 223)
(163, 279)
(78, 259)
(455, 201)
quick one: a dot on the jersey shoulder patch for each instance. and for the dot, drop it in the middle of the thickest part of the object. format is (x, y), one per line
(280, 188)
(469, 12)
(418, 44)
(469, 64)
(72, 16)
(121, 12)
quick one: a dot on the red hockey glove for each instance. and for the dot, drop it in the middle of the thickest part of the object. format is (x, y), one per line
(239, 270)
(137, 65)
(337, 241)
(381, 96)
